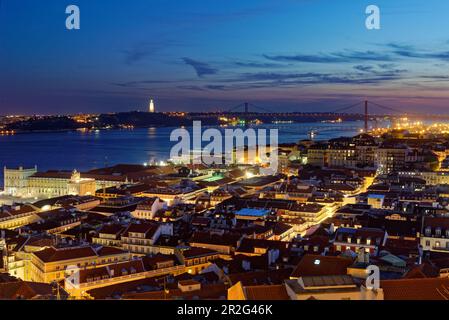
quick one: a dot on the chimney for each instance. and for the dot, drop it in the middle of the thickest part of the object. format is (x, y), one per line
(362, 256)
(273, 256)
(246, 265)
(367, 258)
(226, 269)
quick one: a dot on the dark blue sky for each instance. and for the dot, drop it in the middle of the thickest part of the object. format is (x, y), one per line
(300, 55)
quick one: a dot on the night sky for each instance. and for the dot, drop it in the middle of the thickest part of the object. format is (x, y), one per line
(292, 55)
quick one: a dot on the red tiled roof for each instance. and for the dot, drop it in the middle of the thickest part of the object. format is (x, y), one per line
(416, 289)
(147, 228)
(424, 270)
(265, 277)
(198, 252)
(208, 238)
(211, 291)
(248, 245)
(112, 229)
(188, 283)
(316, 265)
(52, 254)
(200, 221)
(6, 212)
(108, 251)
(273, 292)
(23, 289)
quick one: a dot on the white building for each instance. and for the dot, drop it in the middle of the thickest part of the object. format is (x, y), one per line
(148, 209)
(16, 180)
(435, 234)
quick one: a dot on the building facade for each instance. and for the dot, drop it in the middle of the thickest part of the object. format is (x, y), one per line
(16, 180)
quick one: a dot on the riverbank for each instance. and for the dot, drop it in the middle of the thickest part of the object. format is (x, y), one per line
(74, 149)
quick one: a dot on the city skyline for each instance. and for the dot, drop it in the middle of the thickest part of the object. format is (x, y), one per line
(203, 56)
(229, 153)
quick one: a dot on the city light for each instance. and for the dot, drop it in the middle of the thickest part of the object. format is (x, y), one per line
(224, 155)
(249, 175)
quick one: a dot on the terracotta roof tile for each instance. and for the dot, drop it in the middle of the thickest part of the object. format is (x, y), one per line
(273, 292)
(317, 265)
(416, 289)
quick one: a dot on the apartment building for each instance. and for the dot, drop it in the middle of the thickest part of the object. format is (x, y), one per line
(435, 234)
(51, 264)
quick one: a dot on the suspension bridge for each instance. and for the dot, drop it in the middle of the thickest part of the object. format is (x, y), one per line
(368, 109)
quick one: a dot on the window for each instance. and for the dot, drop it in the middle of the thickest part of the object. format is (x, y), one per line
(437, 244)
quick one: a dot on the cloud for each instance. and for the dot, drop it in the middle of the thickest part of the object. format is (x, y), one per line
(215, 87)
(201, 68)
(380, 69)
(276, 80)
(261, 65)
(408, 51)
(322, 78)
(138, 53)
(364, 68)
(304, 58)
(336, 57)
(133, 84)
(191, 87)
(144, 50)
(435, 78)
(265, 76)
(393, 52)
(399, 46)
(387, 66)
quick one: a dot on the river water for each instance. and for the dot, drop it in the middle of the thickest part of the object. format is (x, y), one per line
(88, 150)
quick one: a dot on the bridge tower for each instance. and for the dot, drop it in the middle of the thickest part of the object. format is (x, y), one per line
(245, 117)
(366, 116)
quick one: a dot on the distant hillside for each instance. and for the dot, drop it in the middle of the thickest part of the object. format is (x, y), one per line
(144, 119)
(45, 124)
